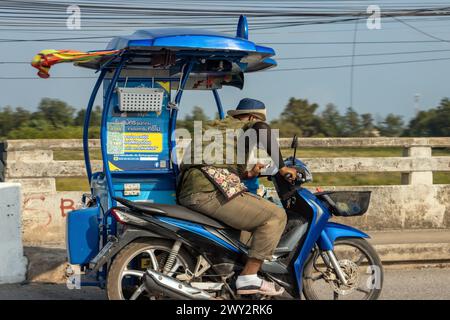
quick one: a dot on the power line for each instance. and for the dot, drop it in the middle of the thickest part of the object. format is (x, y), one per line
(420, 31)
(40, 13)
(352, 69)
(262, 43)
(119, 26)
(348, 30)
(309, 57)
(359, 65)
(351, 42)
(52, 14)
(314, 57)
(362, 55)
(275, 70)
(55, 39)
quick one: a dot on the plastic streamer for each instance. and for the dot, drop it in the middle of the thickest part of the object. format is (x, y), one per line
(45, 59)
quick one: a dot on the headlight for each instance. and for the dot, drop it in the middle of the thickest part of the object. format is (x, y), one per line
(303, 169)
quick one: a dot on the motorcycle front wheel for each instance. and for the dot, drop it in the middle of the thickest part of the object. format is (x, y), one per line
(360, 264)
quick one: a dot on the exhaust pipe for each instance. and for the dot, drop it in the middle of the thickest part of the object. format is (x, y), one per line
(159, 283)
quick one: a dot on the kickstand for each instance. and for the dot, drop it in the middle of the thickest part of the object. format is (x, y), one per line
(225, 283)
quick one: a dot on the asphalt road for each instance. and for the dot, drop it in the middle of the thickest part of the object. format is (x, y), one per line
(402, 284)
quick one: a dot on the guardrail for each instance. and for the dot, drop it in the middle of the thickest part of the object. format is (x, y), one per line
(414, 203)
(31, 161)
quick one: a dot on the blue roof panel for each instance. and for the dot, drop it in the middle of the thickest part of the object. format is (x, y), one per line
(178, 39)
(243, 54)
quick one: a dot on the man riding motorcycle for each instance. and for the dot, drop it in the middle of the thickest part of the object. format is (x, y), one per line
(215, 189)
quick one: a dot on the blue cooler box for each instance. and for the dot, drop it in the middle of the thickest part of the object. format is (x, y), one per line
(82, 235)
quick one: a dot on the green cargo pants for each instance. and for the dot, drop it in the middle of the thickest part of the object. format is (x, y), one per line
(265, 220)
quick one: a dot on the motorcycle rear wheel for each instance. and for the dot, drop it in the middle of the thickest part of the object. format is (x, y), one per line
(125, 276)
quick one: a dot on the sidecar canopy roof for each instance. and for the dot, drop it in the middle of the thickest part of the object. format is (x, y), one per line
(243, 54)
(178, 39)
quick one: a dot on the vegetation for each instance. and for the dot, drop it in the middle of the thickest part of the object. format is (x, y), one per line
(56, 119)
(320, 179)
(301, 117)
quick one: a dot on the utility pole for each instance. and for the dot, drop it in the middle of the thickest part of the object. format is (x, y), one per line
(416, 103)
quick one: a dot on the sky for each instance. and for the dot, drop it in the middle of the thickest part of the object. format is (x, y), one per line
(400, 88)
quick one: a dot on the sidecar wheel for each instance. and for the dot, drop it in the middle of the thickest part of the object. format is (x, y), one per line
(124, 281)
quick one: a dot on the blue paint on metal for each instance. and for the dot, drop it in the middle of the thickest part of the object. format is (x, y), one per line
(186, 44)
(324, 242)
(174, 114)
(333, 231)
(218, 104)
(154, 171)
(87, 118)
(184, 38)
(82, 235)
(318, 222)
(242, 28)
(322, 232)
(198, 229)
(103, 132)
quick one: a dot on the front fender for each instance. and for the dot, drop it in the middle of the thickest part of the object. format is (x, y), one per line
(333, 231)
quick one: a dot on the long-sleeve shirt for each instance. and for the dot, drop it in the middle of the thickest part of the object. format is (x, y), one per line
(234, 156)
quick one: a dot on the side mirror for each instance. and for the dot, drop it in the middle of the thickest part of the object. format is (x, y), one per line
(294, 142)
(294, 145)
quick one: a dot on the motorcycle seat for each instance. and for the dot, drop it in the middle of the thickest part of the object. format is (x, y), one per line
(173, 211)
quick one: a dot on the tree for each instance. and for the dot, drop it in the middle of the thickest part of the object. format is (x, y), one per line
(57, 119)
(58, 113)
(11, 119)
(352, 123)
(440, 124)
(300, 113)
(434, 122)
(197, 114)
(96, 117)
(21, 116)
(420, 124)
(368, 127)
(392, 126)
(6, 120)
(286, 129)
(331, 121)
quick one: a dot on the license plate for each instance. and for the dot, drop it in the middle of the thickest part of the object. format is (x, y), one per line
(102, 252)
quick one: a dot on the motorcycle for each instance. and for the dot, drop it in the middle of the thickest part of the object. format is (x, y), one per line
(165, 251)
(130, 236)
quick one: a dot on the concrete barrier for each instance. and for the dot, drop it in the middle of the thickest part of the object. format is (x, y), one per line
(391, 208)
(403, 207)
(413, 204)
(44, 216)
(12, 263)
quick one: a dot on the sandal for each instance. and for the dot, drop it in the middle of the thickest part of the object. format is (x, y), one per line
(267, 288)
